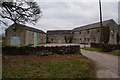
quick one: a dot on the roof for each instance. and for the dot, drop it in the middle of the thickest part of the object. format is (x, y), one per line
(29, 28)
(94, 25)
(59, 32)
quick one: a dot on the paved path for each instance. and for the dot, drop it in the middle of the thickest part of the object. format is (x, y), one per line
(107, 65)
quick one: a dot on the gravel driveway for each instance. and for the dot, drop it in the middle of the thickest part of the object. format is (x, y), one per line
(107, 65)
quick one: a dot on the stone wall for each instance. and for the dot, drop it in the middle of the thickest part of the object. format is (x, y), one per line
(113, 32)
(27, 50)
(87, 36)
(93, 35)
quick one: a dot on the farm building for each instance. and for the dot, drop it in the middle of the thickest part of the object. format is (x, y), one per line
(91, 33)
(21, 35)
(59, 36)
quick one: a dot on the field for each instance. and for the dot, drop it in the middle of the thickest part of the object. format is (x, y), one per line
(51, 66)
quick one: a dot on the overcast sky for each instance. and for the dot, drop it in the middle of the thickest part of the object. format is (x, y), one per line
(68, 15)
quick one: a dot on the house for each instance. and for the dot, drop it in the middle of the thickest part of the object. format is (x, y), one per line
(59, 36)
(91, 33)
(21, 35)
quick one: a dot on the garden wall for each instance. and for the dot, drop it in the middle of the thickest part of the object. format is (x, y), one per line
(106, 47)
(73, 49)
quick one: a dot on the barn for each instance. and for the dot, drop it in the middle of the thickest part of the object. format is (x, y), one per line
(59, 36)
(91, 33)
(21, 35)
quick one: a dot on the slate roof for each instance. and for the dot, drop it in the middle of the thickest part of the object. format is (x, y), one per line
(50, 32)
(29, 28)
(94, 25)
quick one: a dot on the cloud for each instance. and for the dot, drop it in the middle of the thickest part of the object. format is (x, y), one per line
(68, 15)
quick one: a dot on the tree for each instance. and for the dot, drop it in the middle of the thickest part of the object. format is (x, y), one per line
(20, 12)
(117, 38)
(105, 34)
(68, 39)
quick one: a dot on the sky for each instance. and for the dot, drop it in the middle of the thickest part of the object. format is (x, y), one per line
(69, 15)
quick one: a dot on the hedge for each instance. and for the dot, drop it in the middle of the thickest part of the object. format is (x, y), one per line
(106, 47)
(27, 50)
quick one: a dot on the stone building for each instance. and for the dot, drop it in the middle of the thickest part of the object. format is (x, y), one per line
(21, 35)
(59, 36)
(91, 33)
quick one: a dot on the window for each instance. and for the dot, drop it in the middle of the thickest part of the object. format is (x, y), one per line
(98, 30)
(112, 32)
(87, 31)
(51, 39)
(80, 40)
(94, 39)
(80, 32)
(88, 39)
(84, 39)
(14, 28)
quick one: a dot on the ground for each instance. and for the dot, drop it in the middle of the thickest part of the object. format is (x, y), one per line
(75, 65)
(51, 66)
(114, 52)
(107, 65)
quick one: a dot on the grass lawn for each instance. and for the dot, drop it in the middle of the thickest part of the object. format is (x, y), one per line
(92, 49)
(51, 66)
(115, 53)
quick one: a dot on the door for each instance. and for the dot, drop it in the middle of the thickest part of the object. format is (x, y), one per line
(15, 41)
(35, 38)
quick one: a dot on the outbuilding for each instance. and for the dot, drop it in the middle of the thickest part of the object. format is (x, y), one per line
(21, 35)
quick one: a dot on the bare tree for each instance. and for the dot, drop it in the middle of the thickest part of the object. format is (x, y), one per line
(20, 12)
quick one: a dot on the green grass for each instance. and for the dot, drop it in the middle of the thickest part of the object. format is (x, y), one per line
(75, 66)
(115, 53)
(92, 49)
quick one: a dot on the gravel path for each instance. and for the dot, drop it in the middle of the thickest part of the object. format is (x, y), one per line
(107, 65)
